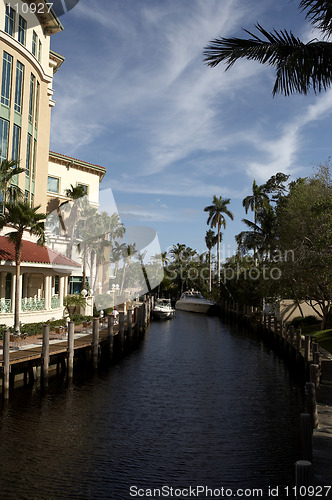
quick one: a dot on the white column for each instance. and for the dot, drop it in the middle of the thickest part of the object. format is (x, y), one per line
(47, 292)
(20, 293)
(62, 280)
(13, 293)
(2, 284)
(66, 286)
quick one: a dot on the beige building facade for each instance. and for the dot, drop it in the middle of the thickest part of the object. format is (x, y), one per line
(26, 74)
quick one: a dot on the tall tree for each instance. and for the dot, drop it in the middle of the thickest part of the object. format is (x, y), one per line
(20, 217)
(72, 207)
(210, 241)
(217, 212)
(300, 67)
(9, 191)
(304, 220)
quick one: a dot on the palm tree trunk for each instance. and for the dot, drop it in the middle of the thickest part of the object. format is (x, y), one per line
(218, 252)
(210, 271)
(17, 289)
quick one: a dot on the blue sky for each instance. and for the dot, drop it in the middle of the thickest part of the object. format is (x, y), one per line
(134, 96)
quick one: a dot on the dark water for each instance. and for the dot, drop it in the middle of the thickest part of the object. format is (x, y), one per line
(198, 404)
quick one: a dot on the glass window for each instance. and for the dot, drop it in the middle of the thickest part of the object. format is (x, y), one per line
(4, 128)
(86, 188)
(32, 199)
(39, 51)
(52, 184)
(26, 195)
(16, 143)
(19, 87)
(34, 43)
(28, 158)
(34, 158)
(22, 29)
(9, 20)
(37, 104)
(6, 79)
(32, 96)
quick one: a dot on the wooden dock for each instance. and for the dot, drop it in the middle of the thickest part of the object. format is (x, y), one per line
(103, 340)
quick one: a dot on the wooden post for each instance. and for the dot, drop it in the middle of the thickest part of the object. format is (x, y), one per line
(137, 320)
(314, 375)
(303, 477)
(45, 360)
(298, 342)
(130, 323)
(307, 339)
(281, 329)
(121, 330)
(291, 335)
(70, 349)
(95, 342)
(306, 436)
(6, 364)
(110, 332)
(316, 358)
(311, 405)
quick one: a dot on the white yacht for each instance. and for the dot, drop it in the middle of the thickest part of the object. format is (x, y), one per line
(194, 302)
(163, 309)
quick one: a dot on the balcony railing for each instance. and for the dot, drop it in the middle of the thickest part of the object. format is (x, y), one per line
(5, 306)
(29, 304)
(32, 304)
(55, 302)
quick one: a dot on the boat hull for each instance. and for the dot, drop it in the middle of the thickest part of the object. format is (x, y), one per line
(197, 308)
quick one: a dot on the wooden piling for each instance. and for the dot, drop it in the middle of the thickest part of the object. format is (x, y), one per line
(311, 404)
(307, 340)
(110, 332)
(314, 374)
(121, 330)
(45, 358)
(6, 365)
(95, 342)
(306, 436)
(130, 324)
(298, 342)
(70, 349)
(303, 478)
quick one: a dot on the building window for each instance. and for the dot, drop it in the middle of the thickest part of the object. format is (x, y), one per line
(52, 184)
(4, 128)
(37, 104)
(39, 51)
(34, 158)
(32, 200)
(22, 29)
(26, 195)
(16, 143)
(86, 188)
(19, 87)
(28, 158)
(6, 79)
(32, 96)
(34, 43)
(9, 20)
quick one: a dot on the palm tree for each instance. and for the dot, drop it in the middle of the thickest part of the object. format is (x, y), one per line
(217, 219)
(74, 205)
(299, 66)
(21, 217)
(8, 169)
(261, 235)
(210, 241)
(129, 251)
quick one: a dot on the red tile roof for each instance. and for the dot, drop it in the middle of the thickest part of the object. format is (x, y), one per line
(31, 252)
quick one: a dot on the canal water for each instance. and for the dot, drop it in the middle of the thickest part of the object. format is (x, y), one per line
(198, 404)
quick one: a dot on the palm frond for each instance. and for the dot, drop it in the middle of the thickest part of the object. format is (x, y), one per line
(300, 67)
(320, 14)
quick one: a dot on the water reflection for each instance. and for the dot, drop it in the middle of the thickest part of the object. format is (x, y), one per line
(197, 403)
